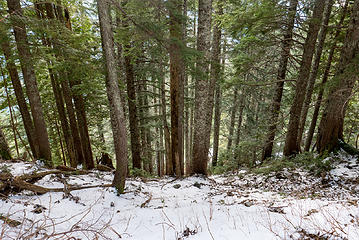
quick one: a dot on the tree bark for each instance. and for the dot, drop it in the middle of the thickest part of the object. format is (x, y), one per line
(113, 93)
(132, 108)
(4, 147)
(30, 81)
(315, 67)
(233, 118)
(215, 79)
(282, 70)
(347, 73)
(20, 97)
(291, 144)
(176, 80)
(203, 109)
(324, 79)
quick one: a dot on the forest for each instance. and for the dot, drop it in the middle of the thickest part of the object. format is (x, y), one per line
(146, 97)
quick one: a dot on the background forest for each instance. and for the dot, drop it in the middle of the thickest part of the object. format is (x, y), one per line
(177, 87)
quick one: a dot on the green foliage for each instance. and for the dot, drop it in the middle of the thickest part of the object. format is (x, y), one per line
(135, 172)
(308, 161)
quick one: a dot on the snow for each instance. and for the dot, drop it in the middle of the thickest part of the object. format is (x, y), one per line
(234, 206)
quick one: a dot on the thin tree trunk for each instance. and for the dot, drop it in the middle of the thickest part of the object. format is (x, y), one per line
(132, 109)
(113, 93)
(240, 119)
(233, 118)
(215, 79)
(315, 67)
(324, 80)
(30, 81)
(13, 127)
(291, 145)
(282, 70)
(347, 73)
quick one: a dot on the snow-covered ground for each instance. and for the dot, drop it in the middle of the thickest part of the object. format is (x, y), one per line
(236, 206)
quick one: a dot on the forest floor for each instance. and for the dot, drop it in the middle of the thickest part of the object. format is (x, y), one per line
(283, 205)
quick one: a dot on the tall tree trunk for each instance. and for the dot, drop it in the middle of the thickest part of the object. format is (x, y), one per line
(282, 70)
(203, 109)
(347, 73)
(324, 79)
(233, 118)
(291, 144)
(113, 93)
(215, 78)
(30, 81)
(132, 109)
(315, 67)
(20, 98)
(176, 78)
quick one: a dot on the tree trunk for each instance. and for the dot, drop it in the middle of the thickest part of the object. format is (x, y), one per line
(30, 81)
(282, 70)
(315, 67)
(4, 147)
(215, 79)
(20, 98)
(233, 118)
(347, 73)
(240, 119)
(324, 80)
(132, 109)
(113, 93)
(203, 109)
(291, 144)
(176, 80)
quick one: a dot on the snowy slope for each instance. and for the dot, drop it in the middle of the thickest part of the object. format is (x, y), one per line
(220, 207)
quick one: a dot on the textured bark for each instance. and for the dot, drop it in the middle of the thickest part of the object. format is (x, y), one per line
(233, 118)
(132, 109)
(282, 70)
(203, 109)
(176, 81)
(113, 93)
(318, 102)
(30, 81)
(167, 136)
(215, 79)
(20, 98)
(347, 73)
(217, 124)
(315, 67)
(4, 147)
(291, 144)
